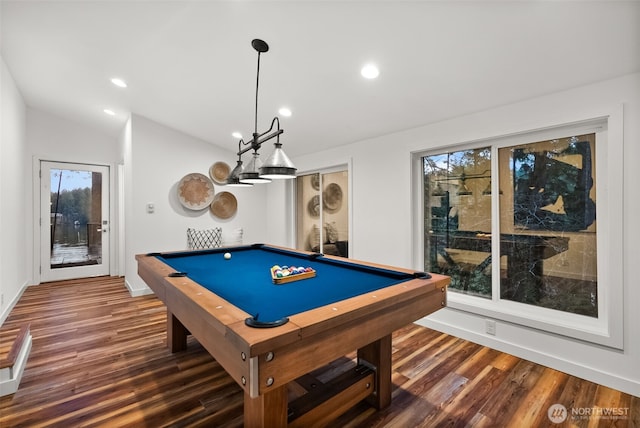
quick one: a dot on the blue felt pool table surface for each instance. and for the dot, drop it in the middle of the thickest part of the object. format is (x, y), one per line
(245, 279)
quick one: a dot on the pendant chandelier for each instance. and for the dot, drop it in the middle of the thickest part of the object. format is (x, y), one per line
(277, 165)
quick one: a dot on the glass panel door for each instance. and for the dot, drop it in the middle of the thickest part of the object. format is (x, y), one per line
(322, 221)
(335, 214)
(75, 220)
(308, 210)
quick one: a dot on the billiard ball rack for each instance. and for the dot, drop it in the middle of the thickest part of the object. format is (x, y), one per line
(290, 277)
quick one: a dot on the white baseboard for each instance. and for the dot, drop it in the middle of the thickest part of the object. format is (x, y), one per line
(7, 310)
(10, 377)
(135, 292)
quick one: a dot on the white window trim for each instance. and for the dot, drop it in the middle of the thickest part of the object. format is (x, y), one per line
(607, 329)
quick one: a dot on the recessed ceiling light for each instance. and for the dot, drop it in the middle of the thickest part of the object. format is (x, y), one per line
(109, 112)
(119, 82)
(236, 135)
(369, 71)
(285, 112)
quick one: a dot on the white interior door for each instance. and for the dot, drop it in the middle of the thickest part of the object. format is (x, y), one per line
(74, 218)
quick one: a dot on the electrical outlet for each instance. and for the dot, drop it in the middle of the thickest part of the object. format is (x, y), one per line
(490, 327)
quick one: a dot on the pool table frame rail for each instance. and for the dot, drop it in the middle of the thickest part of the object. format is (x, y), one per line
(264, 360)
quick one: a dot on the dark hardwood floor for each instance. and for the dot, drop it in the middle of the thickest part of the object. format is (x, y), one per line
(99, 358)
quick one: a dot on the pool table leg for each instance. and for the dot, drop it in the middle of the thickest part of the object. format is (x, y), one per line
(378, 355)
(266, 410)
(176, 333)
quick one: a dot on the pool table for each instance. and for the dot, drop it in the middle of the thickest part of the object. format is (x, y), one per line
(269, 335)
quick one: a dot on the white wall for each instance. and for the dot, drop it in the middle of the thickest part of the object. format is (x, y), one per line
(383, 232)
(156, 158)
(53, 138)
(279, 214)
(14, 250)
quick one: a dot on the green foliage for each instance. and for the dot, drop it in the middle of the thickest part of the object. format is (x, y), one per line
(74, 205)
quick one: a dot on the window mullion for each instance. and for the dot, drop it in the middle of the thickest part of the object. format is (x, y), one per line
(495, 226)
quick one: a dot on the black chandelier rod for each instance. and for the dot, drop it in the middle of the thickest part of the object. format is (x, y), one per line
(256, 141)
(255, 116)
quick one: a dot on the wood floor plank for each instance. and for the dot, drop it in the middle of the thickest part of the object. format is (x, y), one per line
(99, 358)
(541, 394)
(461, 408)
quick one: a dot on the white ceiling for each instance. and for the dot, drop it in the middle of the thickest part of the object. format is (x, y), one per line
(190, 64)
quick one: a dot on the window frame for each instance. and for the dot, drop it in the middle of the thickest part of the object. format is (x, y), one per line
(607, 328)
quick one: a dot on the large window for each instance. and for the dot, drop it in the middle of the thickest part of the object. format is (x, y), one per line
(517, 222)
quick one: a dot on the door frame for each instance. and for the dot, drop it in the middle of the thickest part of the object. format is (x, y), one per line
(112, 236)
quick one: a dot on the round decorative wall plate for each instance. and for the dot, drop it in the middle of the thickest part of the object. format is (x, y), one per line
(224, 205)
(315, 181)
(219, 172)
(195, 191)
(313, 206)
(332, 197)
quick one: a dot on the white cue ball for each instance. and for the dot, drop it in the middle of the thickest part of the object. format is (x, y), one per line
(227, 256)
